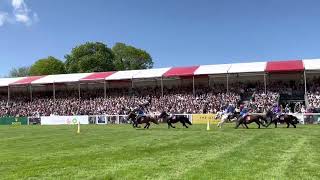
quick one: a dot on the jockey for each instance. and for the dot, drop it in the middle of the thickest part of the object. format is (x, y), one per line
(142, 110)
(276, 110)
(171, 113)
(244, 112)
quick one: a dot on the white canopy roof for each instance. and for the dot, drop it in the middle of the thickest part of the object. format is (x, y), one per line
(7, 81)
(247, 67)
(121, 75)
(61, 78)
(150, 73)
(311, 64)
(212, 69)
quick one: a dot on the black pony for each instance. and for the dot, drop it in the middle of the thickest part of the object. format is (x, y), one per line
(144, 119)
(171, 120)
(287, 118)
(258, 119)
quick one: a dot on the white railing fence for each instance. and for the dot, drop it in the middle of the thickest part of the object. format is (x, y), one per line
(304, 118)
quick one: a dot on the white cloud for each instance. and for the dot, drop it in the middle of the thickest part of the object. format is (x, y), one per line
(18, 4)
(21, 13)
(3, 18)
(22, 18)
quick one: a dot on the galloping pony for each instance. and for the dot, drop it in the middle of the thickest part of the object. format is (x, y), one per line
(144, 119)
(258, 119)
(226, 117)
(287, 118)
(172, 120)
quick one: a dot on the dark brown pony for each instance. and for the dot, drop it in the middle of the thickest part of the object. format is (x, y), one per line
(182, 119)
(142, 120)
(287, 118)
(258, 119)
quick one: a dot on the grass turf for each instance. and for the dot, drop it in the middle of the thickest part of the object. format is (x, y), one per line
(121, 152)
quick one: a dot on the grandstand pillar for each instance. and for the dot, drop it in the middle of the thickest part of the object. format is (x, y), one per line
(305, 82)
(30, 90)
(79, 90)
(8, 93)
(265, 83)
(227, 83)
(54, 91)
(162, 86)
(193, 88)
(105, 89)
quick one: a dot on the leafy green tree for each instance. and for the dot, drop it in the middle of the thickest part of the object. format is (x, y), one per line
(131, 58)
(20, 72)
(47, 66)
(90, 57)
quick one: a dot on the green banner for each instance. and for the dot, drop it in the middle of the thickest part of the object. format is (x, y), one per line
(13, 121)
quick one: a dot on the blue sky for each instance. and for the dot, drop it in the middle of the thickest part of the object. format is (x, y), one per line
(174, 32)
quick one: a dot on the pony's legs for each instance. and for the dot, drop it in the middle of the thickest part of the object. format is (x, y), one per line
(257, 122)
(288, 125)
(245, 124)
(269, 123)
(238, 124)
(223, 120)
(292, 123)
(275, 123)
(184, 124)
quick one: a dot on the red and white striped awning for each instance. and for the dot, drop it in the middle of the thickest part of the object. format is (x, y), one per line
(212, 69)
(97, 76)
(247, 67)
(61, 78)
(27, 80)
(285, 66)
(181, 71)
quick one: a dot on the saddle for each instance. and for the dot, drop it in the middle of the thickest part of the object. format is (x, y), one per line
(248, 118)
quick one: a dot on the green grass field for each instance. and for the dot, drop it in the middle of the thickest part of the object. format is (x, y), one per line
(121, 152)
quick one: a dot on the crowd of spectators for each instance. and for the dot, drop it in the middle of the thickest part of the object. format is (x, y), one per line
(177, 100)
(314, 94)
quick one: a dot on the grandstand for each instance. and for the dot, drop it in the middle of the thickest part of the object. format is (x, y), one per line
(187, 89)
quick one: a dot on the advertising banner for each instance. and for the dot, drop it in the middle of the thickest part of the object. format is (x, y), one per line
(14, 121)
(58, 120)
(203, 119)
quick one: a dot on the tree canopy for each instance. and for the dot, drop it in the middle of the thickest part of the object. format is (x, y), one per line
(20, 72)
(131, 58)
(90, 57)
(47, 66)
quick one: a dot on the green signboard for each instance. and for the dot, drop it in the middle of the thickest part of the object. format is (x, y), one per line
(13, 121)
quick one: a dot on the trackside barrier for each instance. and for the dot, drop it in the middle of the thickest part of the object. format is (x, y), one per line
(304, 118)
(59, 120)
(311, 118)
(119, 119)
(14, 121)
(204, 118)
